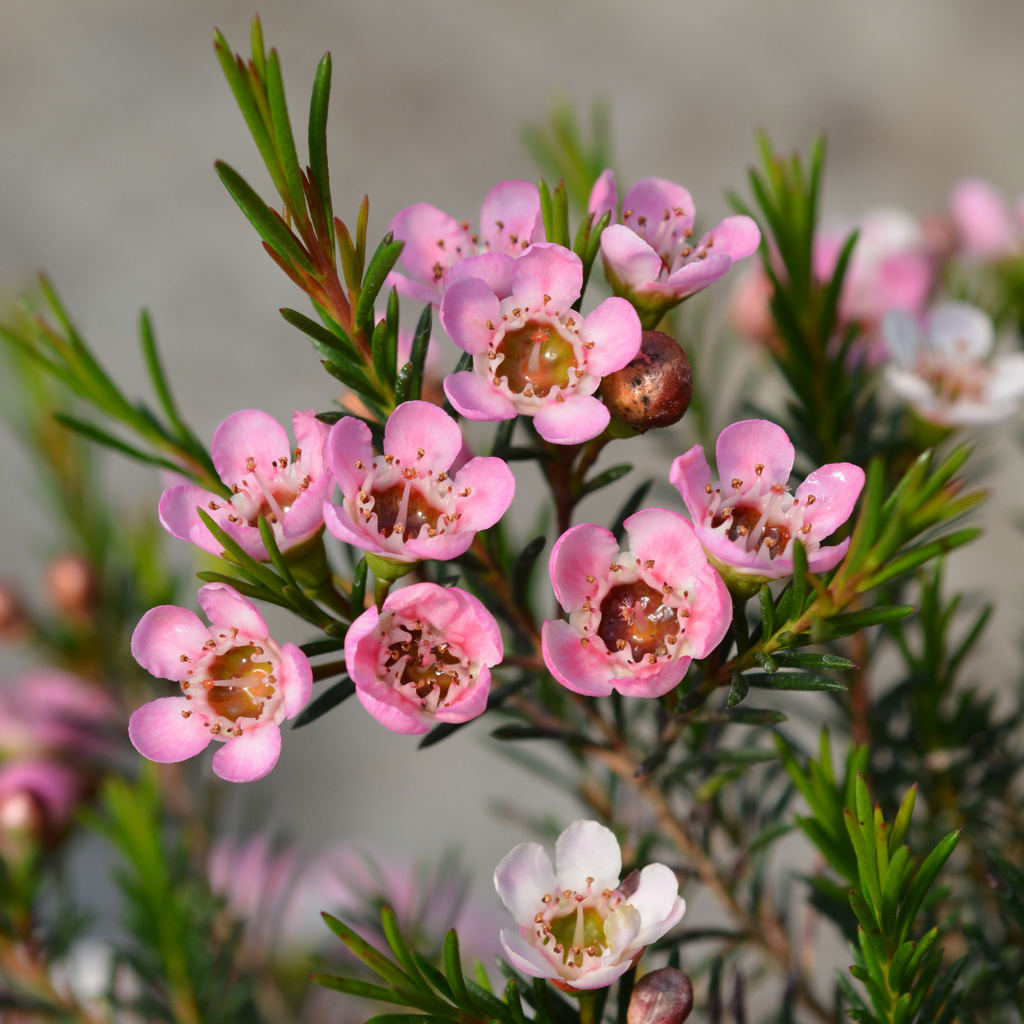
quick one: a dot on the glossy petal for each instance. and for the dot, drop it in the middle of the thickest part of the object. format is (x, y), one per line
(493, 268)
(668, 539)
(306, 515)
(652, 680)
(836, 488)
(655, 899)
(547, 277)
(691, 278)
(165, 634)
(470, 704)
(737, 237)
(159, 731)
(467, 308)
(621, 927)
(508, 216)
(178, 516)
(628, 257)
(433, 239)
(582, 550)
(392, 716)
(690, 474)
(349, 442)
(707, 626)
(604, 196)
(585, 850)
(578, 668)
(524, 957)
(826, 558)
(422, 426)
(614, 328)
(248, 434)
(339, 525)
(493, 486)
(225, 606)
(524, 875)
(250, 756)
(296, 679)
(747, 444)
(311, 438)
(651, 198)
(476, 398)
(579, 418)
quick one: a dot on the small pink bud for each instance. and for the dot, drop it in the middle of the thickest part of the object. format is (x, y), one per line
(22, 824)
(71, 585)
(654, 388)
(661, 997)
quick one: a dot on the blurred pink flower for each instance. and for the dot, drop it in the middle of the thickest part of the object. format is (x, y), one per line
(942, 366)
(55, 788)
(426, 656)
(231, 673)
(638, 616)
(988, 227)
(254, 458)
(533, 355)
(577, 923)
(510, 220)
(405, 504)
(650, 259)
(748, 520)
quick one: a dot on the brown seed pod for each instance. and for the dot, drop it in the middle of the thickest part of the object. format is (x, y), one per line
(654, 388)
(661, 997)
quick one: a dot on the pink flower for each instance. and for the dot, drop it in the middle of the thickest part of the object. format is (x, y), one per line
(988, 227)
(578, 925)
(604, 197)
(254, 458)
(638, 616)
(54, 788)
(942, 365)
(747, 522)
(510, 220)
(426, 656)
(533, 355)
(238, 685)
(650, 257)
(403, 505)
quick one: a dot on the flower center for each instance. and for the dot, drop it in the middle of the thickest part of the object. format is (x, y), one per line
(571, 924)
(428, 666)
(248, 683)
(954, 379)
(391, 518)
(634, 615)
(535, 358)
(743, 523)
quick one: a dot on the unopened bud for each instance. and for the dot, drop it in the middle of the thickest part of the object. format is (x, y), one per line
(71, 585)
(661, 997)
(22, 823)
(14, 621)
(654, 388)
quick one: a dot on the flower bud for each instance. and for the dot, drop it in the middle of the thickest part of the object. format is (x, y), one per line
(71, 585)
(654, 388)
(14, 622)
(661, 997)
(22, 823)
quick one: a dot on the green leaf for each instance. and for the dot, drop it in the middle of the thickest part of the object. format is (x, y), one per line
(609, 476)
(403, 383)
(851, 622)
(767, 603)
(739, 716)
(393, 934)
(244, 561)
(560, 215)
(546, 210)
(891, 889)
(866, 867)
(806, 659)
(268, 225)
(159, 378)
(327, 700)
(374, 959)
(330, 344)
(924, 946)
(920, 553)
(418, 353)
(357, 597)
(523, 569)
(355, 380)
(109, 441)
(391, 346)
(366, 990)
(738, 689)
(381, 264)
(793, 681)
(251, 590)
(799, 582)
(453, 972)
(514, 1004)
(898, 965)
(379, 352)
(922, 882)
(318, 647)
(283, 139)
(318, 105)
(434, 976)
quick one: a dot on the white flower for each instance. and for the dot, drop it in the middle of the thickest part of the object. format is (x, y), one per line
(941, 366)
(577, 924)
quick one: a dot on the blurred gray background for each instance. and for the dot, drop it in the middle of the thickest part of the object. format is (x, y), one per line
(113, 111)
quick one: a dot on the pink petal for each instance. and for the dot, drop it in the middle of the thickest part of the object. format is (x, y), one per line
(250, 756)
(508, 216)
(983, 218)
(306, 515)
(470, 703)
(657, 900)
(747, 563)
(693, 277)
(248, 536)
(547, 277)
(747, 444)
(55, 786)
(160, 732)
(614, 328)
(311, 438)
(650, 198)
(836, 488)
(426, 600)
(226, 607)
(690, 475)
(441, 548)
(604, 196)
(361, 670)
(467, 308)
(398, 717)
(737, 237)
(296, 679)
(652, 680)
(628, 256)
(523, 957)
(826, 558)
(711, 613)
(163, 635)
(421, 426)
(492, 487)
(432, 238)
(477, 398)
(177, 512)
(493, 268)
(475, 625)
(577, 419)
(600, 977)
(350, 441)
(583, 550)
(339, 525)
(248, 434)
(524, 875)
(585, 850)
(578, 668)
(412, 290)
(668, 540)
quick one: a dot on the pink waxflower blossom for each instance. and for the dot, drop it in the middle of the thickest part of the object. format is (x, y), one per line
(651, 259)
(748, 520)
(988, 227)
(54, 788)
(238, 685)
(425, 657)
(577, 923)
(637, 616)
(533, 355)
(253, 456)
(510, 219)
(406, 504)
(604, 197)
(942, 366)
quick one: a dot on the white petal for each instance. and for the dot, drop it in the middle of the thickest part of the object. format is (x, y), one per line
(961, 329)
(621, 927)
(525, 957)
(902, 335)
(1007, 382)
(585, 850)
(522, 878)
